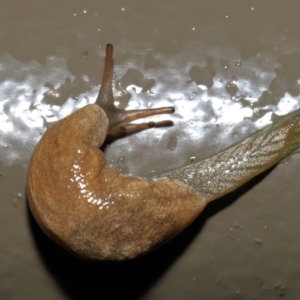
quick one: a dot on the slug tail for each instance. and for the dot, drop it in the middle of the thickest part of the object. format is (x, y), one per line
(228, 170)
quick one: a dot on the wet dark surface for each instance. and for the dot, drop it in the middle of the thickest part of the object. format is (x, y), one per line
(228, 70)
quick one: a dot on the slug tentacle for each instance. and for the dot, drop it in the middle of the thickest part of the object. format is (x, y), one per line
(228, 170)
(118, 117)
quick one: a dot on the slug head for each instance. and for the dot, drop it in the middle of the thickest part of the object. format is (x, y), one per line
(119, 119)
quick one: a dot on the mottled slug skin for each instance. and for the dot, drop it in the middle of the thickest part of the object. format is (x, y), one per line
(231, 168)
(92, 210)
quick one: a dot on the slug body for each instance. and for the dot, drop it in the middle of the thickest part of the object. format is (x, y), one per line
(93, 211)
(86, 205)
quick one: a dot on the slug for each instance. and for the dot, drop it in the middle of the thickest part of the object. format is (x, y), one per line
(96, 213)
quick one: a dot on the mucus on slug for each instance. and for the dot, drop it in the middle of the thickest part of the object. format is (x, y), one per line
(93, 211)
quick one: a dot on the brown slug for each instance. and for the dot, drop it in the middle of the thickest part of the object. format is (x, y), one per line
(93, 211)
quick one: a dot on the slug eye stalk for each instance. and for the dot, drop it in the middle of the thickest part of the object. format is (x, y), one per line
(119, 118)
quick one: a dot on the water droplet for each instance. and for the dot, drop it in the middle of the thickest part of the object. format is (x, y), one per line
(121, 160)
(231, 88)
(123, 169)
(202, 87)
(236, 98)
(123, 8)
(192, 159)
(75, 15)
(258, 241)
(172, 143)
(214, 148)
(193, 28)
(221, 80)
(85, 96)
(224, 63)
(34, 91)
(238, 63)
(252, 8)
(84, 11)
(237, 292)
(226, 16)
